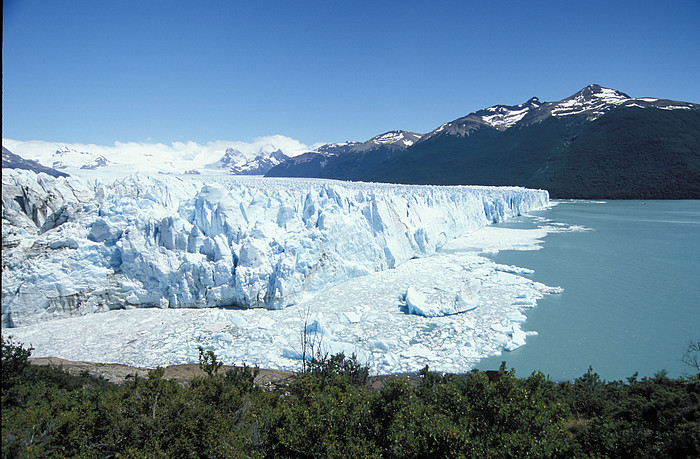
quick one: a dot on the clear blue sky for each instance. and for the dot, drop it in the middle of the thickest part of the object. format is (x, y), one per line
(322, 71)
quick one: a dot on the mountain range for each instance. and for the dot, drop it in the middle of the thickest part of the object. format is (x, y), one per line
(13, 161)
(597, 143)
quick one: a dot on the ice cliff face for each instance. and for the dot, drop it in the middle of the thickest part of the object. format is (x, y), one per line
(73, 247)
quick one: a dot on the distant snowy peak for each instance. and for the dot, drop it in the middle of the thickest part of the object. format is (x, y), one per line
(65, 151)
(237, 163)
(334, 149)
(395, 140)
(592, 102)
(260, 165)
(500, 117)
(65, 157)
(96, 163)
(662, 104)
(231, 157)
(13, 161)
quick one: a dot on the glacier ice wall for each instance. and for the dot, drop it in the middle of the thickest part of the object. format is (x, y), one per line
(75, 246)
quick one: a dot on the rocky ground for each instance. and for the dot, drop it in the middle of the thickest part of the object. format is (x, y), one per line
(118, 373)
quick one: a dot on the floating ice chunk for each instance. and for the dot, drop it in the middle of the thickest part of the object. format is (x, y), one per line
(437, 302)
(525, 302)
(517, 338)
(500, 328)
(216, 327)
(514, 269)
(67, 243)
(416, 301)
(547, 290)
(516, 316)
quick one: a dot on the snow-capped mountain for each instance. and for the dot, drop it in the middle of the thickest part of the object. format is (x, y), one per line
(500, 117)
(13, 161)
(260, 165)
(64, 157)
(124, 158)
(238, 163)
(597, 143)
(591, 102)
(96, 163)
(340, 160)
(393, 140)
(231, 158)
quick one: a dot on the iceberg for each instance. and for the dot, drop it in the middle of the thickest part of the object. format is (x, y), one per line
(75, 246)
(436, 301)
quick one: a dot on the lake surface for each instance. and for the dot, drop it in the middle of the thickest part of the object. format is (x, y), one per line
(631, 300)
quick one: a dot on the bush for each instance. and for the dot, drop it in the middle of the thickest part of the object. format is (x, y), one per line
(330, 369)
(329, 412)
(15, 358)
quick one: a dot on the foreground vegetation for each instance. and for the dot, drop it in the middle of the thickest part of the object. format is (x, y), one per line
(329, 411)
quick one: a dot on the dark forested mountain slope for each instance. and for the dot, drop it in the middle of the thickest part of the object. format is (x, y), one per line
(597, 143)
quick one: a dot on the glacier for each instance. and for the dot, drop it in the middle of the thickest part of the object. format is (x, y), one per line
(241, 264)
(144, 241)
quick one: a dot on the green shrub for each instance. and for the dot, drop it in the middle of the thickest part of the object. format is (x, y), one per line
(330, 369)
(330, 412)
(15, 358)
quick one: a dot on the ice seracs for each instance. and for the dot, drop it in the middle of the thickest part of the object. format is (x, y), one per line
(144, 241)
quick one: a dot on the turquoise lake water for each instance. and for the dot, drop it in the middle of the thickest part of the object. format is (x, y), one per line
(631, 300)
